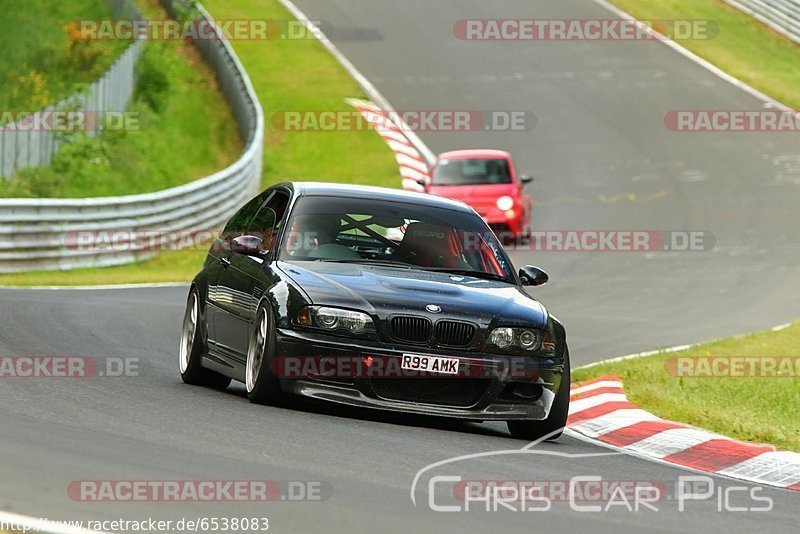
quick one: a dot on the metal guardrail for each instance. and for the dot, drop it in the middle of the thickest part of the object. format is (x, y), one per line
(35, 233)
(782, 15)
(22, 147)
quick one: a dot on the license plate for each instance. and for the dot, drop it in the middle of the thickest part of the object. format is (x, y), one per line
(433, 364)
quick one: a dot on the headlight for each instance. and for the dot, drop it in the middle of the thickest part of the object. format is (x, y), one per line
(527, 340)
(335, 319)
(524, 338)
(502, 337)
(505, 203)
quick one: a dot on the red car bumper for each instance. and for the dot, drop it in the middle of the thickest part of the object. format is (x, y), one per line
(514, 222)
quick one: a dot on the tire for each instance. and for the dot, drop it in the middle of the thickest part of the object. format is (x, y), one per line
(193, 348)
(261, 383)
(552, 427)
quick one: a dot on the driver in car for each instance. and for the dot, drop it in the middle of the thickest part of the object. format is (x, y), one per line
(314, 236)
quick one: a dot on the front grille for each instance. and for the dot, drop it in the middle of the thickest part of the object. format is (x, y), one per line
(460, 392)
(411, 329)
(454, 333)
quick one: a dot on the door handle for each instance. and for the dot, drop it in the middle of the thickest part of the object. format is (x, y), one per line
(225, 262)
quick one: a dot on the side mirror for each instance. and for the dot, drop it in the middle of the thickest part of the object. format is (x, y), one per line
(249, 245)
(423, 182)
(533, 276)
(526, 179)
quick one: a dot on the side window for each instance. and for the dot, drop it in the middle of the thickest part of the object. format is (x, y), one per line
(269, 218)
(239, 222)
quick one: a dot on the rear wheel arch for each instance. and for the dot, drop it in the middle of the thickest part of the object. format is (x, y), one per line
(202, 302)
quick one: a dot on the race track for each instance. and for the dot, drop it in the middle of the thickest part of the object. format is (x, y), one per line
(602, 160)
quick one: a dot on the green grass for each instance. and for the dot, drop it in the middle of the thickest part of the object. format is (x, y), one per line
(762, 410)
(37, 65)
(759, 410)
(744, 47)
(287, 75)
(185, 132)
(175, 266)
(301, 75)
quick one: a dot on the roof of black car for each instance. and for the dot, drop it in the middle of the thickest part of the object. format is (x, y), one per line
(375, 193)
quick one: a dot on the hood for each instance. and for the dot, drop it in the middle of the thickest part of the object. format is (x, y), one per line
(383, 291)
(475, 194)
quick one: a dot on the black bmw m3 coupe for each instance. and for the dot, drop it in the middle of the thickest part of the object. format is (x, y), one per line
(375, 298)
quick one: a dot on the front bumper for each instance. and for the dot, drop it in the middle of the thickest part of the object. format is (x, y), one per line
(500, 388)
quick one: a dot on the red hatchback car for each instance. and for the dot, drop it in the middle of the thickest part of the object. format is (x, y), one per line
(487, 181)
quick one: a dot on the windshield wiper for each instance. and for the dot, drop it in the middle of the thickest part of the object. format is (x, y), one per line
(467, 272)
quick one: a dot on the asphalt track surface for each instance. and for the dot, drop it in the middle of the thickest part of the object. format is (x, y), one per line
(602, 159)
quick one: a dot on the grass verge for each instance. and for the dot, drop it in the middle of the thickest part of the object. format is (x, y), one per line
(185, 131)
(40, 64)
(300, 75)
(744, 47)
(760, 410)
(287, 75)
(174, 266)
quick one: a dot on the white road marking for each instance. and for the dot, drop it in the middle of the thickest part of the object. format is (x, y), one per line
(596, 385)
(752, 91)
(613, 421)
(777, 467)
(584, 404)
(362, 80)
(673, 440)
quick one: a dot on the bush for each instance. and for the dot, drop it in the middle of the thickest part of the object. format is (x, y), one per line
(30, 90)
(153, 77)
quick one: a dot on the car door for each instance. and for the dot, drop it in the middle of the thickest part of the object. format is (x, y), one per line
(242, 280)
(219, 258)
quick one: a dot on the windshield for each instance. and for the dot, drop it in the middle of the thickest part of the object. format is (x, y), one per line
(472, 172)
(394, 234)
